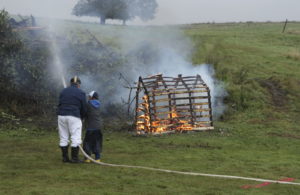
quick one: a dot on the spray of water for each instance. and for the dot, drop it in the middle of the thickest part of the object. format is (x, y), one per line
(56, 67)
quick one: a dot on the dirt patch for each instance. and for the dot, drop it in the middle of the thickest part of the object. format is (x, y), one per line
(284, 135)
(293, 54)
(279, 95)
(296, 32)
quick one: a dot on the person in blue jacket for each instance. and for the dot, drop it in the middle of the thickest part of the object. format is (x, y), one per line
(71, 110)
(92, 143)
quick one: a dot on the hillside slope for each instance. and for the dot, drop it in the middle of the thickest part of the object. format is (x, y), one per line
(258, 135)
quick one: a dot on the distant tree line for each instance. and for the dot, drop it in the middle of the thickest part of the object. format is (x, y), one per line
(116, 9)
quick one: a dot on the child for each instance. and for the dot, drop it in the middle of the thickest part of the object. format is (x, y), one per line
(92, 143)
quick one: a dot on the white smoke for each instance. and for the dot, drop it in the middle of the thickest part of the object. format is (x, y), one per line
(172, 51)
(148, 51)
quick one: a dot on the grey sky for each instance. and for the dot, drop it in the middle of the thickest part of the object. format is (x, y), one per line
(175, 11)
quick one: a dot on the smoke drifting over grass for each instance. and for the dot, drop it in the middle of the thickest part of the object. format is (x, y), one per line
(133, 52)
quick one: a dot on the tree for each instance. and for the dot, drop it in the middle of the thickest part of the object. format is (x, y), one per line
(116, 9)
(144, 9)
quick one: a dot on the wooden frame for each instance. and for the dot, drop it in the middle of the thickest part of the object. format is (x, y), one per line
(168, 104)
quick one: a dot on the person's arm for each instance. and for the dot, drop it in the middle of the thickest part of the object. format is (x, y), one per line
(59, 103)
(59, 99)
(83, 109)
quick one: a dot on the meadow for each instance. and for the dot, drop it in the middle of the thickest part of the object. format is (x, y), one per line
(258, 135)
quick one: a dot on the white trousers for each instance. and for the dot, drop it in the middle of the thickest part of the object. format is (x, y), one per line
(69, 127)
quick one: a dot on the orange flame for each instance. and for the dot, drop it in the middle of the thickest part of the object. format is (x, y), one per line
(145, 124)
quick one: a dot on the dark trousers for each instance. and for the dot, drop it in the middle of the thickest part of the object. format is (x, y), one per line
(92, 143)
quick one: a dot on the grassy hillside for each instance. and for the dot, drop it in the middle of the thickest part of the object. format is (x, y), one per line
(258, 136)
(261, 69)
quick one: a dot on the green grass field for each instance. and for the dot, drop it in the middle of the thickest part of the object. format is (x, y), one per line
(31, 164)
(259, 135)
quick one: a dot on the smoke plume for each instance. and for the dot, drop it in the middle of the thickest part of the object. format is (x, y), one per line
(137, 51)
(168, 51)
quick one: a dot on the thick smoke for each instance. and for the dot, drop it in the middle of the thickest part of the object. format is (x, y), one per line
(168, 51)
(141, 51)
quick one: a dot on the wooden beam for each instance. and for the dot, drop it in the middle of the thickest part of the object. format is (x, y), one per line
(173, 89)
(148, 99)
(169, 81)
(190, 99)
(181, 98)
(196, 116)
(185, 110)
(154, 105)
(202, 128)
(169, 98)
(203, 122)
(184, 117)
(137, 103)
(179, 105)
(210, 106)
(154, 77)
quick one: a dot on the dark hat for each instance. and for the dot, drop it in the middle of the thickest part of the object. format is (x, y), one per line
(94, 94)
(75, 80)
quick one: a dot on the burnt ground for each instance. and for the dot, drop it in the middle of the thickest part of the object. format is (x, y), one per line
(278, 94)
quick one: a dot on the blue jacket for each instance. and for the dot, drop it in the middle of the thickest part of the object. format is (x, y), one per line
(93, 119)
(72, 102)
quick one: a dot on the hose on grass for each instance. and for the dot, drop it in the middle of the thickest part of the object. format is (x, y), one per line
(186, 173)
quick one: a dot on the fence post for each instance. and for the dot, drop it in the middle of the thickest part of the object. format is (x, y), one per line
(284, 25)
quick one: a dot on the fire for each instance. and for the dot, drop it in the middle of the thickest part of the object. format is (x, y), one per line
(160, 125)
(167, 104)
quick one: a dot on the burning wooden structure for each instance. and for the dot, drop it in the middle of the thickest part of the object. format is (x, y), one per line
(169, 104)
